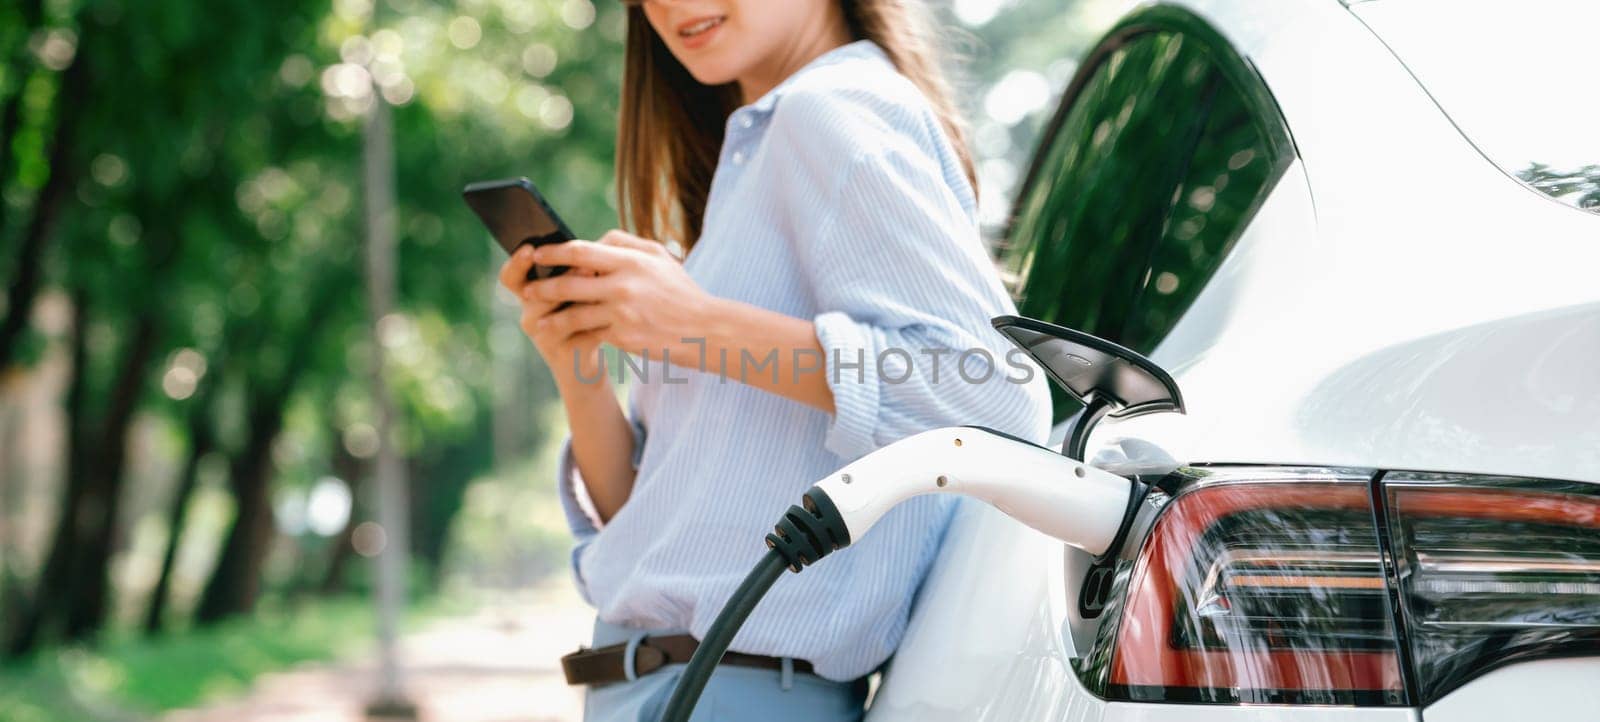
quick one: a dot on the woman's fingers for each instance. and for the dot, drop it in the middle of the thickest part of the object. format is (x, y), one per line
(514, 272)
(569, 287)
(624, 239)
(584, 254)
(573, 319)
(587, 341)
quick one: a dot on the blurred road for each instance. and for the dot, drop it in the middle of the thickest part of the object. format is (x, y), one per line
(499, 665)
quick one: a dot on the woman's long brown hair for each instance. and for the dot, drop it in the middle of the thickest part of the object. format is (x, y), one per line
(669, 133)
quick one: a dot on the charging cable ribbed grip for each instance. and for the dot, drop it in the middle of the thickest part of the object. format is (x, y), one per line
(809, 531)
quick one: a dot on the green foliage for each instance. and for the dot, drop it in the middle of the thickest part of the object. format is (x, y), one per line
(214, 198)
(187, 668)
(511, 529)
(213, 168)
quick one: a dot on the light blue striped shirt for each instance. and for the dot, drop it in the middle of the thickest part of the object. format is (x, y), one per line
(837, 198)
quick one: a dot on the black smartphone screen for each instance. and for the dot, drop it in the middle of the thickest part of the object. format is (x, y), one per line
(516, 214)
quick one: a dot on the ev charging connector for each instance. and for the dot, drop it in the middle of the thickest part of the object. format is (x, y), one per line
(1056, 493)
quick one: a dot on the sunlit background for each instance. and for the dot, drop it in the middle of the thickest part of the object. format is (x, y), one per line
(188, 426)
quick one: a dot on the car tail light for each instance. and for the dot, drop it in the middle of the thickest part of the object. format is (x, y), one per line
(1266, 585)
(1493, 571)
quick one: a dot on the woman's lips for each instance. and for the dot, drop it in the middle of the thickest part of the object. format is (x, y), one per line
(698, 32)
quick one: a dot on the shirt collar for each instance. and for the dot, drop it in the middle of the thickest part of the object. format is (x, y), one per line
(858, 50)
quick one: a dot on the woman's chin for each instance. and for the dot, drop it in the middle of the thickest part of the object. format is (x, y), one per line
(712, 73)
(716, 65)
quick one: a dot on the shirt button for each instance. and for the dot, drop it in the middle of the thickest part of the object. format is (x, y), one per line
(738, 157)
(746, 122)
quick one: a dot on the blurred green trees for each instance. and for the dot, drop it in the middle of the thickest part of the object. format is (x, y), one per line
(184, 415)
(184, 184)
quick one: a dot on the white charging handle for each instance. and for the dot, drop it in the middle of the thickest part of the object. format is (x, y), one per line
(1079, 504)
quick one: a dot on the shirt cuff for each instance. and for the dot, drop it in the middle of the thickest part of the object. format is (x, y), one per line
(577, 569)
(849, 359)
(582, 518)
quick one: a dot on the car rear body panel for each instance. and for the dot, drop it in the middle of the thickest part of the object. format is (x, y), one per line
(1398, 303)
(1410, 307)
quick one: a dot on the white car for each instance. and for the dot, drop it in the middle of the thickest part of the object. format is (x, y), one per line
(1364, 239)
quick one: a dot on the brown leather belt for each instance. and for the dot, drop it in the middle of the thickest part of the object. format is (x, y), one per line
(604, 665)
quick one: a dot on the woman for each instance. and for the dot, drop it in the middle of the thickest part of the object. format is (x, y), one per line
(835, 297)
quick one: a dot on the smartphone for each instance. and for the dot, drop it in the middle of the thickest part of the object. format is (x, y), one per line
(516, 214)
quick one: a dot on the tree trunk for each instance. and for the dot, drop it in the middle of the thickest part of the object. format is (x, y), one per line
(72, 100)
(201, 443)
(10, 501)
(73, 591)
(202, 440)
(438, 483)
(29, 624)
(86, 606)
(235, 582)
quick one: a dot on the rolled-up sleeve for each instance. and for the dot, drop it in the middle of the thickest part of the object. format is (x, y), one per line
(906, 292)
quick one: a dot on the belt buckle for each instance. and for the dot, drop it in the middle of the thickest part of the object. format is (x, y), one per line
(612, 663)
(630, 658)
(640, 658)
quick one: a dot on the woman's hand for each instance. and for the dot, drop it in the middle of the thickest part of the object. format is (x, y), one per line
(602, 437)
(569, 356)
(627, 291)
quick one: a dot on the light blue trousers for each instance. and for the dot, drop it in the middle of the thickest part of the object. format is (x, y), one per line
(734, 694)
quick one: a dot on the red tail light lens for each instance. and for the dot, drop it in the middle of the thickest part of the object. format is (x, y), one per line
(1493, 571)
(1262, 586)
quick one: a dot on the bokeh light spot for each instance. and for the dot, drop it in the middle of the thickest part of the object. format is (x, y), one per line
(108, 170)
(1019, 93)
(124, 229)
(577, 14)
(538, 60)
(328, 506)
(387, 44)
(361, 440)
(296, 71)
(555, 112)
(465, 32)
(369, 539)
(178, 383)
(55, 48)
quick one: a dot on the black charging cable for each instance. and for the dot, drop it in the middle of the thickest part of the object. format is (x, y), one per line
(1020, 478)
(807, 532)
